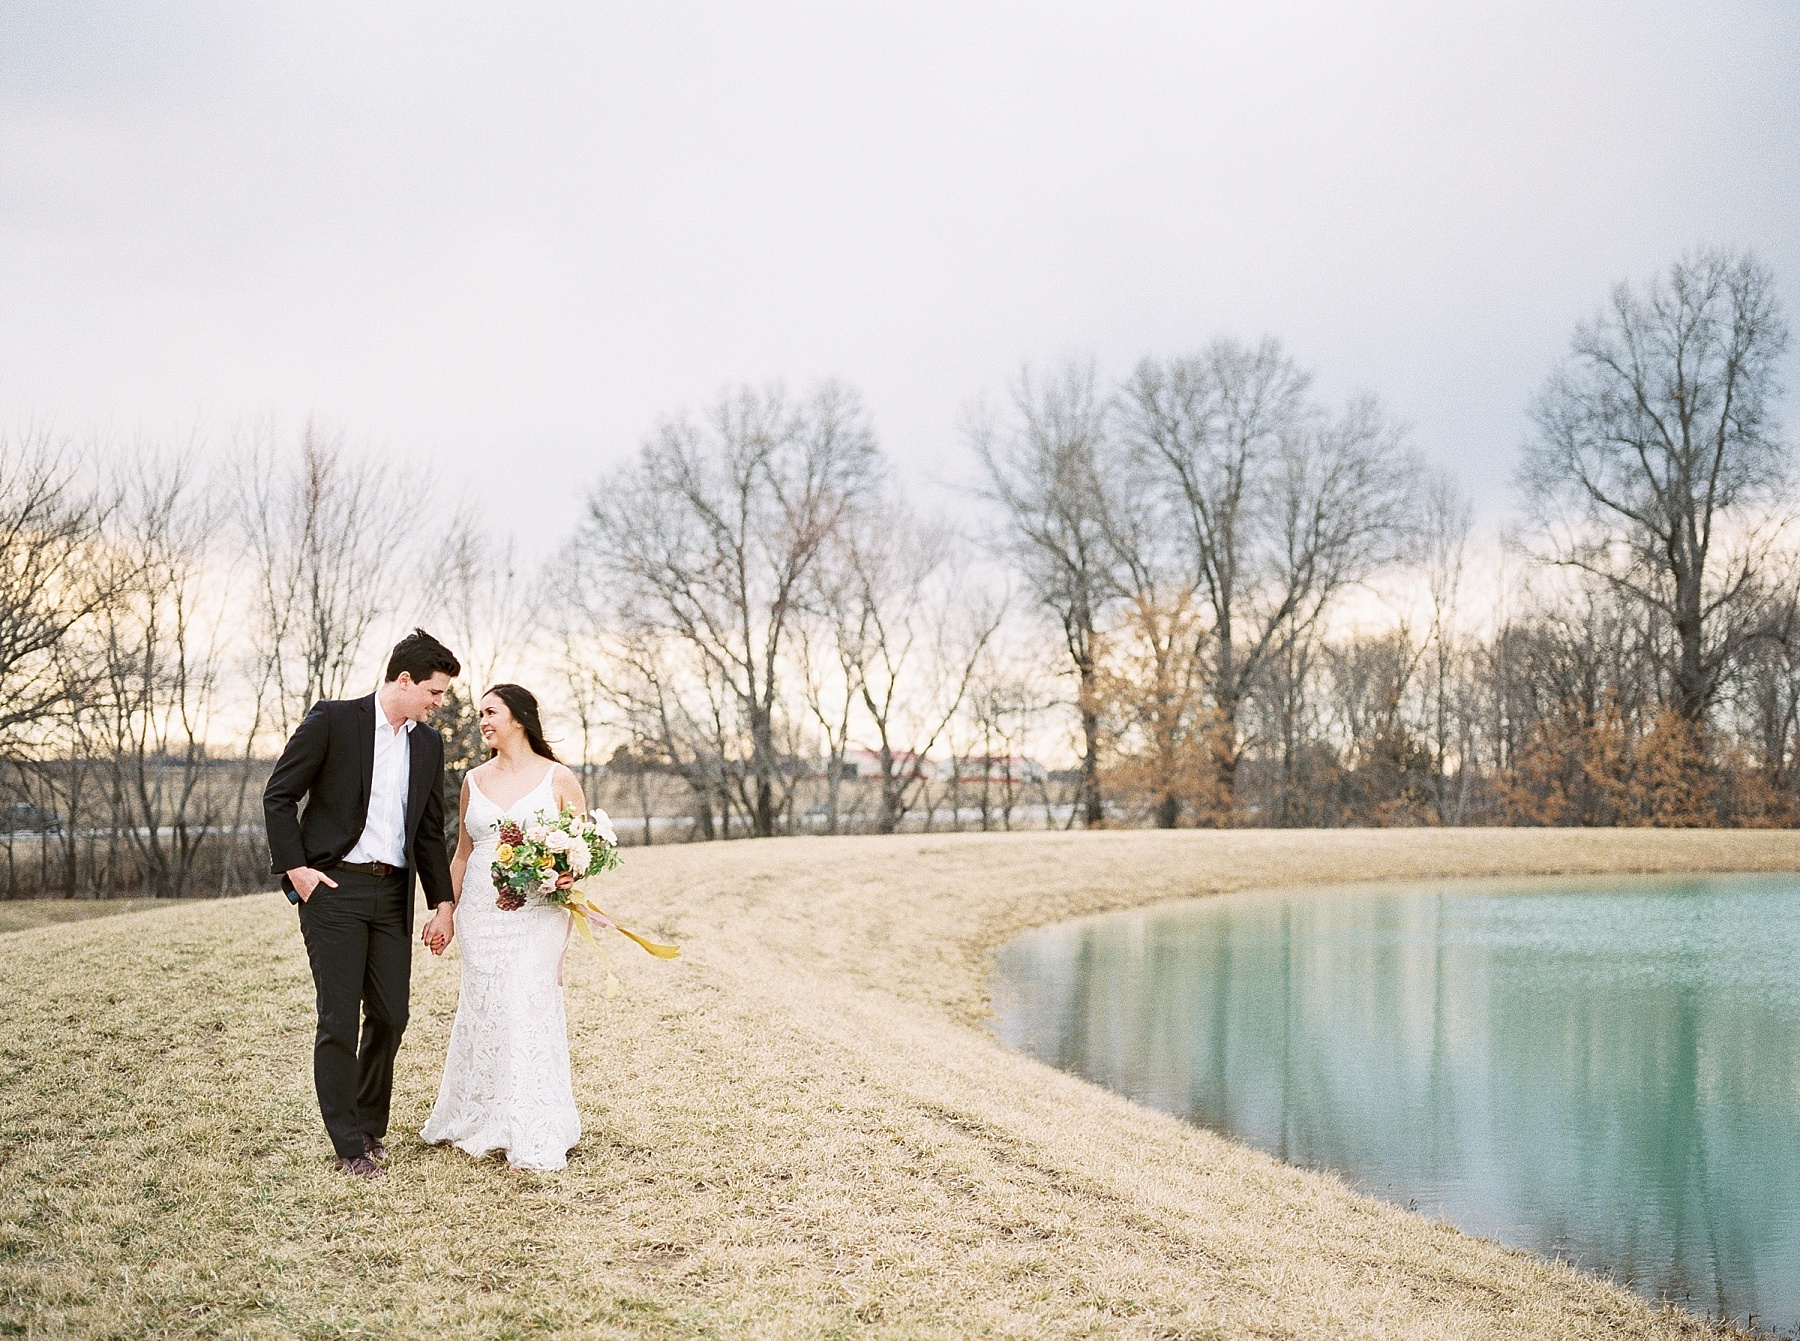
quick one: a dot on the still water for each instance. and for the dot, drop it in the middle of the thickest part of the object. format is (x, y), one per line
(1607, 1072)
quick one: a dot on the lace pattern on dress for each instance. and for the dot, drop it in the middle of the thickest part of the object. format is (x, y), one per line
(506, 1079)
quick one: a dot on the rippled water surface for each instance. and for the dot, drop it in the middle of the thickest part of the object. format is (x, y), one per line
(1607, 1072)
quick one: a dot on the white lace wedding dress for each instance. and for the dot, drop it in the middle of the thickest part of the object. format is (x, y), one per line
(506, 1080)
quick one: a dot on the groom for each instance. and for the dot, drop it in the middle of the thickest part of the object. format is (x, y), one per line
(371, 774)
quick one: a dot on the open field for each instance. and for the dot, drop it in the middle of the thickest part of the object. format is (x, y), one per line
(801, 1128)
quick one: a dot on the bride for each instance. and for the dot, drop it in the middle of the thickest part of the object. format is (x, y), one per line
(506, 1080)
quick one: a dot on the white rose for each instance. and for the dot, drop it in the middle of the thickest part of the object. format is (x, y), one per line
(537, 833)
(558, 841)
(603, 826)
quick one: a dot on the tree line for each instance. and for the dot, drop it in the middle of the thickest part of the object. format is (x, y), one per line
(1202, 592)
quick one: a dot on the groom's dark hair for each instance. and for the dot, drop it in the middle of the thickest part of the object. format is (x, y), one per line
(421, 656)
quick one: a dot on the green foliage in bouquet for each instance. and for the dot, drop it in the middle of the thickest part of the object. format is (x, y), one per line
(545, 857)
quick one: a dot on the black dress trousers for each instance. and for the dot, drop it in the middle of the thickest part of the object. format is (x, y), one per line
(361, 954)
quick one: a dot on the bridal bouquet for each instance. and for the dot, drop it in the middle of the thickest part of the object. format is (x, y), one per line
(551, 858)
(532, 858)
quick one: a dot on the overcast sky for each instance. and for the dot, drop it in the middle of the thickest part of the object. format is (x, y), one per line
(497, 242)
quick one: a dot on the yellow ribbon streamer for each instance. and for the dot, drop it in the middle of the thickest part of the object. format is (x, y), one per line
(589, 918)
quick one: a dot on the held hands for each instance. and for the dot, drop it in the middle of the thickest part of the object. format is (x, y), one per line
(440, 930)
(305, 880)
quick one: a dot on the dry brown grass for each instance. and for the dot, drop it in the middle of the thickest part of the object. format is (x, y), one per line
(801, 1128)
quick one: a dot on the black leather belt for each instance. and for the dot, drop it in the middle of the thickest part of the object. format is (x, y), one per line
(371, 868)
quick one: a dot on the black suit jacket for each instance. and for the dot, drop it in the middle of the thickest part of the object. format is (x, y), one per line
(329, 763)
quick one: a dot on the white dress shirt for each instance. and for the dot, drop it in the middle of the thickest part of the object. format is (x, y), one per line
(384, 832)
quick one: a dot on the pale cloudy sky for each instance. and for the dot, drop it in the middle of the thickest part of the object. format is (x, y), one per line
(496, 242)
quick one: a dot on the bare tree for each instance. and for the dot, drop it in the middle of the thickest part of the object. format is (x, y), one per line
(711, 536)
(325, 550)
(1047, 470)
(1287, 703)
(1657, 460)
(1767, 685)
(827, 650)
(622, 678)
(54, 578)
(1384, 774)
(585, 688)
(1010, 693)
(914, 634)
(1444, 543)
(161, 649)
(484, 601)
(1282, 505)
(484, 597)
(678, 715)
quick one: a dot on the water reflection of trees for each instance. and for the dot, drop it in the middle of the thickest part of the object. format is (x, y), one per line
(1610, 1077)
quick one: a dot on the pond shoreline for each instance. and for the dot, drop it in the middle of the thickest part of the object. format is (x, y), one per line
(804, 1127)
(1460, 1044)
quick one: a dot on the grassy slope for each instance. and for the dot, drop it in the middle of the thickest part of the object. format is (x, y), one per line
(799, 1129)
(23, 914)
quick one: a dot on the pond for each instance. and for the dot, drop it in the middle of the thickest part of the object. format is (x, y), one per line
(1603, 1071)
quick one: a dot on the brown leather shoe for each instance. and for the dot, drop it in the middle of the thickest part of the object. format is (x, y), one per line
(374, 1149)
(360, 1167)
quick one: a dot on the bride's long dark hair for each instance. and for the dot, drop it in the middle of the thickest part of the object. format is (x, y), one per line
(523, 706)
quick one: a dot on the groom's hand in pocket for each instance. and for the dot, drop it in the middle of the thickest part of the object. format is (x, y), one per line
(305, 880)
